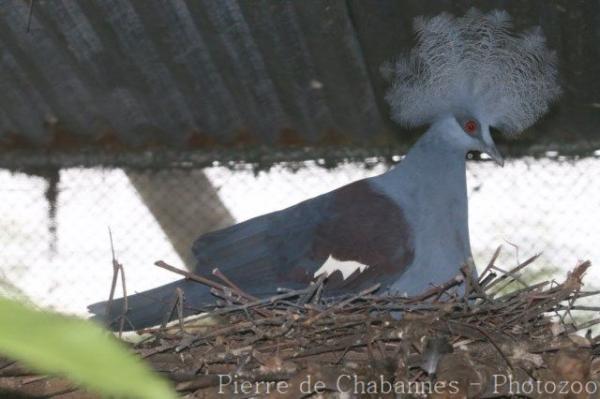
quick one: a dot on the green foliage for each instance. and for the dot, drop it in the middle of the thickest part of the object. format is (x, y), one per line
(80, 350)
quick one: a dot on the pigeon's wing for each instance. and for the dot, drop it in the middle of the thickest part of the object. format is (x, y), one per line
(354, 223)
(269, 251)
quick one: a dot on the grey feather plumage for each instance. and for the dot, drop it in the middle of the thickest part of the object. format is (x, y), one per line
(476, 64)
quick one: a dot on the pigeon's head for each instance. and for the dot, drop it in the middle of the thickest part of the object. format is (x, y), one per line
(467, 133)
(463, 132)
(477, 69)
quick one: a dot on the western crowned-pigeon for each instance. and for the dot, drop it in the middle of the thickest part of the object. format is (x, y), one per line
(408, 227)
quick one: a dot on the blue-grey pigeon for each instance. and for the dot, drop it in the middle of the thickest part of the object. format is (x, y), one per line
(408, 227)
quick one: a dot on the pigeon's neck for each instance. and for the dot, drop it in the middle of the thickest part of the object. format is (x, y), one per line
(433, 166)
(434, 154)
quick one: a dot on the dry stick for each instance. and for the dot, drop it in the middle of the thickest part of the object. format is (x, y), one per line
(472, 284)
(181, 296)
(117, 267)
(239, 327)
(115, 275)
(579, 307)
(225, 331)
(516, 247)
(351, 341)
(317, 296)
(516, 278)
(569, 307)
(518, 292)
(467, 282)
(342, 304)
(235, 288)
(489, 265)
(264, 301)
(190, 275)
(489, 338)
(440, 289)
(176, 305)
(587, 324)
(169, 311)
(241, 293)
(125, 300)
(203, 280)
(342, 355)
(511, 273)
(230, 309)
(316, 287)
(554, 296)
(571, 300)
(487, 279)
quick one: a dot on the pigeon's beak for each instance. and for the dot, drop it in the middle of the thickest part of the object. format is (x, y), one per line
(489, 147)
(493, 152)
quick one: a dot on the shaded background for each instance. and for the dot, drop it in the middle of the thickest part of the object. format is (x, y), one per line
(167, 119)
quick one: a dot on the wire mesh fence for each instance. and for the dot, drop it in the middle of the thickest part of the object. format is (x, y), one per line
(56, 249)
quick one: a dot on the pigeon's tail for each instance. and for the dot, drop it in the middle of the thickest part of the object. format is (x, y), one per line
(152, 307)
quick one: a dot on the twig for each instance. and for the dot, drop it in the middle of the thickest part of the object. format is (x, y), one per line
(234, 287)
(489, 266)
(343, 303)
(436, 291)
(199, 279)
(117, 268)
(511, 273)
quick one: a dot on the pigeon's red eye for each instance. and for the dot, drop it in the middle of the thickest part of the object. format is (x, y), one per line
(470, 127)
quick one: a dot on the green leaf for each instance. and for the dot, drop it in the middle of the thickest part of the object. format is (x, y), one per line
(78, 349)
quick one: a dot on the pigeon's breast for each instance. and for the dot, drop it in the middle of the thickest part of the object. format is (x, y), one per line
(439, 218)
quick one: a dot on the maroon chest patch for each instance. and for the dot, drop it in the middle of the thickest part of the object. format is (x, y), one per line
(367, 227)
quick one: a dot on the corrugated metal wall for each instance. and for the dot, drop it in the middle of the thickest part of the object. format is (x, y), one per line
(112, 76)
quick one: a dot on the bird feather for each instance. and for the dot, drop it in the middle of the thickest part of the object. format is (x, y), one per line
(474, 63)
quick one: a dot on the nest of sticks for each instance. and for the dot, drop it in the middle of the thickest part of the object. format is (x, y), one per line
(494, 336)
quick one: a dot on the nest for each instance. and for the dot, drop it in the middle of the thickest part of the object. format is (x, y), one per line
(466, 338)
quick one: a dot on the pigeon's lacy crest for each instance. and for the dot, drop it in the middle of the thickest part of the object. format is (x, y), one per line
(474, 63)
